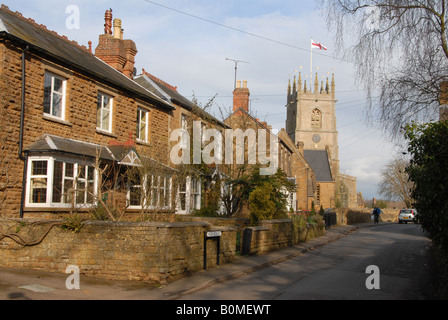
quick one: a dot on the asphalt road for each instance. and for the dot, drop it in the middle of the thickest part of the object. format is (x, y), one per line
(398, 254)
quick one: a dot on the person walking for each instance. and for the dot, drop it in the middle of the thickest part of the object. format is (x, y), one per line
(376, 215)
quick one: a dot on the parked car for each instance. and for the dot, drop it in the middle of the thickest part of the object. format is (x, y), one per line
(407, 215)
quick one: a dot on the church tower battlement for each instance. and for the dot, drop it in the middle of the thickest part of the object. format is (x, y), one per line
(311, 116)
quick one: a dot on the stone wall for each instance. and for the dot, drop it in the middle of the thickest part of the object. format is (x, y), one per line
(363, 215)
(144, 251)
(153, 252)
(272, 235)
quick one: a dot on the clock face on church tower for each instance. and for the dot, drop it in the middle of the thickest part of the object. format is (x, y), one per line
(316, 138)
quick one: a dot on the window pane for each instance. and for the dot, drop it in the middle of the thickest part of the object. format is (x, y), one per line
(98, 113)
(47, 93)
(105, 119)
(57, 85)
(80, 192)
(182, 198)
(57, 181)
(184, 122)
(39, 168)
(57, 105)
(142, 133)
(69, 170)
(106, 102)
(155, 191)
(81, 172)
(90, 173)
(167, 193)
(135, 196)
(38, 190)
(68, 191)
(138, 123)
(90, 192)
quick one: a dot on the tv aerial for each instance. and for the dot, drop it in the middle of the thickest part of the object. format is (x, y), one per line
(236, 67)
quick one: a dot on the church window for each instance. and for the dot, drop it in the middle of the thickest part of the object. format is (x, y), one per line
(316, 119)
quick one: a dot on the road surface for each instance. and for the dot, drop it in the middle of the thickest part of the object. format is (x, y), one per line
(387, 261)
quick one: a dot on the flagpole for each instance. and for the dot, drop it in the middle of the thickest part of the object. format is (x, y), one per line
(311, 60)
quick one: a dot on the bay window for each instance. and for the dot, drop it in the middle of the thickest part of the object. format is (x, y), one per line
(54, 182)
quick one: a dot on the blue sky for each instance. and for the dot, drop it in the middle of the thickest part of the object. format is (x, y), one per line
(190, 53)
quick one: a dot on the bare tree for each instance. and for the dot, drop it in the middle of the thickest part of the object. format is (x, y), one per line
(400, 51)
(394, 183)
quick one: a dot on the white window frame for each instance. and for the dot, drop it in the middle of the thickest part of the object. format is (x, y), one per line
(186, 193)
(63, 95)
(101, 108)
(142, 118)
(196, 193)
(142, 187)
(165, 188)
(184, 126)
(31, 177)
(192, 199)
(50, 182)
(154, 193)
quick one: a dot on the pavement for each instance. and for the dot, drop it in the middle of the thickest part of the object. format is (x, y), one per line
(36, 285)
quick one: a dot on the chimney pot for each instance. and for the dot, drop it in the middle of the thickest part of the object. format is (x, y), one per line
(117, 29)
(108, 22)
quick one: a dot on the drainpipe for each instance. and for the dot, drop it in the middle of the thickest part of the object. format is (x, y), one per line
(22, 157)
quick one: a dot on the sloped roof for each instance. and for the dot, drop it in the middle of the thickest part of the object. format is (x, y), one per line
(122, 154)
(51, 143)
(170, 95)
(15, 27)
(318, 161)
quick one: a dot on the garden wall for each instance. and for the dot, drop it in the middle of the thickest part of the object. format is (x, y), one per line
(272, 235)
(144, 251)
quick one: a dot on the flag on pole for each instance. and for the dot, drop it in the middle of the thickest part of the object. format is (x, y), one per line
(317, 45)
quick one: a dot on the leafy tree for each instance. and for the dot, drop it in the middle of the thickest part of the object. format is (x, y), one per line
(428, 170)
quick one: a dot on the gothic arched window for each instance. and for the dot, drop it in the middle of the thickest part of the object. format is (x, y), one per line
(316, 119)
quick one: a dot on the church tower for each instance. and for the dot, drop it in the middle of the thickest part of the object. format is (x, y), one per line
(311, 122)
(311, 117)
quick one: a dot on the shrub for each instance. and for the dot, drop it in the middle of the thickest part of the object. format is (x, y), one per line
(261, 203)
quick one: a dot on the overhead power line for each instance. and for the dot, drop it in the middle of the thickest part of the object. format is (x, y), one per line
(244, 32)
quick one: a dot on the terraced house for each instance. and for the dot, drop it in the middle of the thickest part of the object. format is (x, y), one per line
(74, 121)
(81, 131)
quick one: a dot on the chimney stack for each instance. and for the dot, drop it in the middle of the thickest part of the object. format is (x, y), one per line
(113, 50)
(241, 97)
